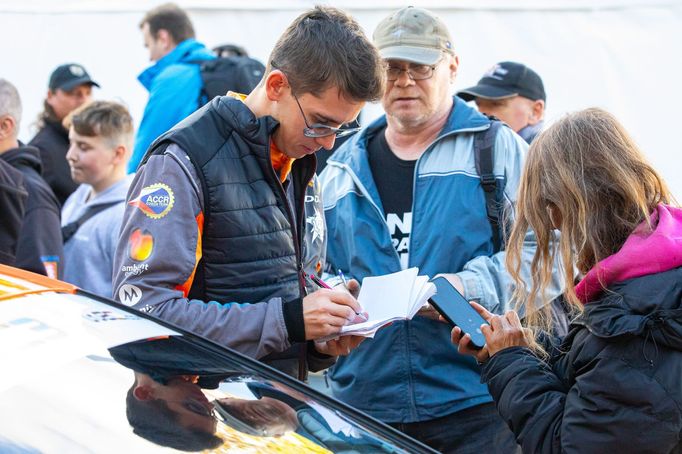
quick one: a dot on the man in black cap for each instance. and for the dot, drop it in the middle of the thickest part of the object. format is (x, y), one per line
(70, 86)
(514, 93)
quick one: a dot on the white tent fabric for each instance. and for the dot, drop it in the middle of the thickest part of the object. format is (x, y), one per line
(620, 55)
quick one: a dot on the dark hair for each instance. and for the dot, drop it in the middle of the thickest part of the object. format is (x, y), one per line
(325, 47)
(169, 17)
(154, 421)
(106, 119)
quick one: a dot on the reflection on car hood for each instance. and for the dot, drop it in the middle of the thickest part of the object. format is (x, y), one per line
(87, 375)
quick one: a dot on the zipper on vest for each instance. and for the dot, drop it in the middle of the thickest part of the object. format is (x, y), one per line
(295, 229)
(302, 369)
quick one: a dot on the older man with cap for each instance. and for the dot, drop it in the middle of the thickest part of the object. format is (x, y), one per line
(405, 192)
(70, 86)
(514, 93)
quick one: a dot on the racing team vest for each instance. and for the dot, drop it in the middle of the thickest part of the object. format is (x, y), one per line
(250, 251)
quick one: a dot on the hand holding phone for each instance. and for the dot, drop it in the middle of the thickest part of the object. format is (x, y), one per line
(457, 311)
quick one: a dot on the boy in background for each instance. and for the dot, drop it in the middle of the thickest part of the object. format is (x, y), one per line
(101, 137)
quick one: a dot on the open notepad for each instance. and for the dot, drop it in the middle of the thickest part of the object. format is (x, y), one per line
(396, 296)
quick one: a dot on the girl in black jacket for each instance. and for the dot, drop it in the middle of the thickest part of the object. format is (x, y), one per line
(615, 382)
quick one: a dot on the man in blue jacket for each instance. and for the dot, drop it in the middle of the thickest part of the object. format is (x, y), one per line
(405, 192)
(174, 82)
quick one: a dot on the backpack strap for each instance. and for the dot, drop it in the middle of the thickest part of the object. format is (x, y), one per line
(70, 229)
(484, 154)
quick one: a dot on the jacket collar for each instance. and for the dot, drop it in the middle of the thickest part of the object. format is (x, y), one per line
(646, 251)
(117, 192)
(530, 132)
(187, 51)
(58, 128)
(23, 156)
(238, 117)
(256, 130)
(462, 118)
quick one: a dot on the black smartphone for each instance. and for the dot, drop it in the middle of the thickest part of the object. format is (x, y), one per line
(456, 309)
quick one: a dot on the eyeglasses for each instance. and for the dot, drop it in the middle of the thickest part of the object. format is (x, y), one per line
(414, 72)
(319, 130)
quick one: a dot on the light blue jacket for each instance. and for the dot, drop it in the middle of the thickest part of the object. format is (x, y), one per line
(174, 85)
(89, 254)
(410, 371)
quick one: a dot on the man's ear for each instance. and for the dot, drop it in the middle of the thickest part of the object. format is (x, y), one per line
(143, 392)
(454, 65)
(166, 39)
(7, 127)
(50, 96)
(276, 85)
(537, 112)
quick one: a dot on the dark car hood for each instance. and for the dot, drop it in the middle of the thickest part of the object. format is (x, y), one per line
(645, 306)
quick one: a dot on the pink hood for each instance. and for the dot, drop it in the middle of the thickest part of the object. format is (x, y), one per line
(643, 253)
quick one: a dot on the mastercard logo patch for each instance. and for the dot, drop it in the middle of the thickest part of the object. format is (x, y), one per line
(140, 245)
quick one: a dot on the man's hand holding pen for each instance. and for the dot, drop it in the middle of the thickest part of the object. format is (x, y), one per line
(326, 311)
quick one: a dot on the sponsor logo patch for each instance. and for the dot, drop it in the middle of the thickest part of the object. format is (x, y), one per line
(146, 309)
(155, 201)
(140, 245)
(317, 224)
(129, 294)
(135, 269)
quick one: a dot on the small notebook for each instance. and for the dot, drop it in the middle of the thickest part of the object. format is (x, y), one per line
(391, 297)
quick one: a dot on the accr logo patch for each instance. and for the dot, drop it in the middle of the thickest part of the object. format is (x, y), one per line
(155, 201)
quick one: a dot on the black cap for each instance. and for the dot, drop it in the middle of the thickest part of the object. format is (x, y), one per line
(504, 80)
(69, 76)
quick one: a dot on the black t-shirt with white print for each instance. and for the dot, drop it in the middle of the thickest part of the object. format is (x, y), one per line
(394, 179)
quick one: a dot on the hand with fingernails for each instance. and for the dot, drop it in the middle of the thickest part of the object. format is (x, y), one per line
(502, 331)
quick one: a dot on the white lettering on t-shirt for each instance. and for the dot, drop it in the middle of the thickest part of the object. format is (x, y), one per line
(400, 230)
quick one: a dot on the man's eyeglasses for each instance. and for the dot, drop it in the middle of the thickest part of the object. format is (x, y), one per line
(319, 130)
(414, 72)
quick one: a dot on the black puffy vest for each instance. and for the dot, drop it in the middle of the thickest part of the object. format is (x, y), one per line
(250, 250)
